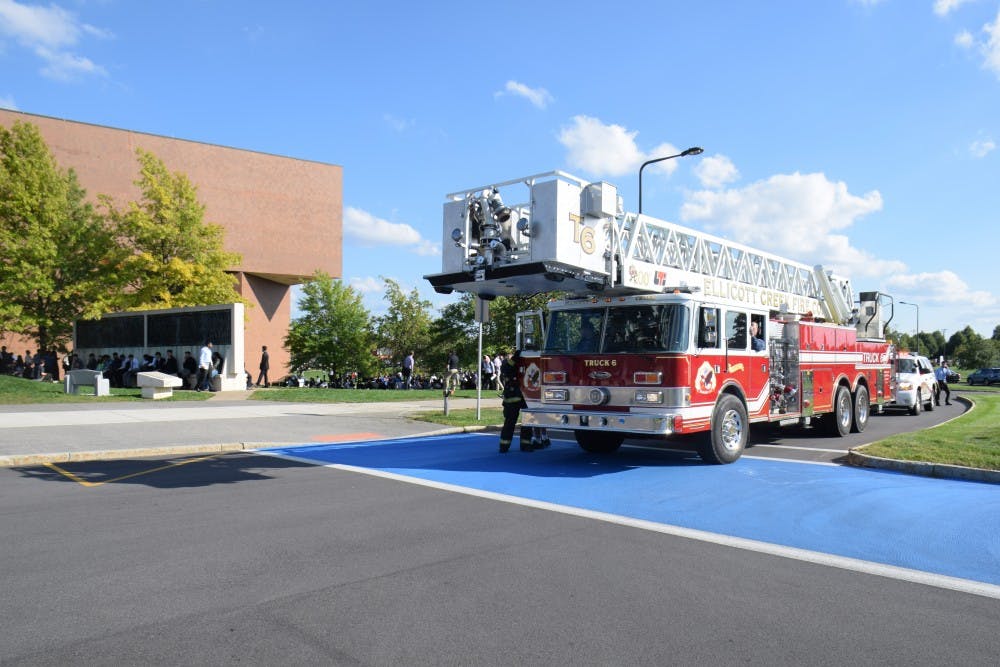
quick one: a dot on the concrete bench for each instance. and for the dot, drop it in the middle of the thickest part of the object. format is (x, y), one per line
(157, 385)
(82, 377)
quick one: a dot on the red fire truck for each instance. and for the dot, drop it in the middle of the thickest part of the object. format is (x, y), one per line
(662, 330)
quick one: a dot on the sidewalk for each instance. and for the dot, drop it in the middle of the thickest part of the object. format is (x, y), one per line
(38, 434)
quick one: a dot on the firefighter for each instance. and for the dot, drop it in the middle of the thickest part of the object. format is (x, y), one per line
(513, 401)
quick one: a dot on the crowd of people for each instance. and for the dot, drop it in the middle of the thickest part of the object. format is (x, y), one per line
(119, 368)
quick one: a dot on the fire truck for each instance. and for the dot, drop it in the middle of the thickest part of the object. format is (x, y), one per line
(659, 330)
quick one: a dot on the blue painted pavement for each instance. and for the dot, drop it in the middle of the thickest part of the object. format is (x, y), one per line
(943, 526)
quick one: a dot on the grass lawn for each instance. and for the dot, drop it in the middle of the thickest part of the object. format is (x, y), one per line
(314, 395)
(971, 440)
(464, 417)
(18, 391)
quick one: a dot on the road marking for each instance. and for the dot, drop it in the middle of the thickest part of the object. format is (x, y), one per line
(805, 555)
(84, 482)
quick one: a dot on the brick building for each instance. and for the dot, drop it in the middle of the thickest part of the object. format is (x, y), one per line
(284, 216)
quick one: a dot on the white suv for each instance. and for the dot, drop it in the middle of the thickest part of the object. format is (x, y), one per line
(913, 383)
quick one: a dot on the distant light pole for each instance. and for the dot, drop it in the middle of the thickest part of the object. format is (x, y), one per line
(916, 338)
(694, 150)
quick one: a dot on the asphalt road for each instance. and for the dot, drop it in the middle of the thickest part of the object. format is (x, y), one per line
(262, 560)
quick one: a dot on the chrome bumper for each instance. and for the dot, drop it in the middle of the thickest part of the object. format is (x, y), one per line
(621, 422)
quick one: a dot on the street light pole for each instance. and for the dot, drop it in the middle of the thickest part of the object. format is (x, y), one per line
(917, 337)
(694, 150)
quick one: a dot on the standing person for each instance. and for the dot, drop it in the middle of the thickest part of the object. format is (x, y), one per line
(941, 374)
(265, 366)
(452, 381)
(486, 370)
(204, 366)
(407, 370)
(513, 401)
(498, 362)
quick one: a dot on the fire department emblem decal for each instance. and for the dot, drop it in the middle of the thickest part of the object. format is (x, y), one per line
(531, 377)
(704, 381)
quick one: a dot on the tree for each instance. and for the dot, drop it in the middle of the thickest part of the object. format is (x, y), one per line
(406, 325)
(60, 260)
(334, 331)
(456, 329)
(996, 333)
(977, 352)
(500, 334)
(178, 258)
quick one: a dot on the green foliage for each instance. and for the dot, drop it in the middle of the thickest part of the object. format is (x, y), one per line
(455, 329)
(977, 352)
(405, 327)
(178, 258)
(500, 333)
(334, 331)
(60, 261)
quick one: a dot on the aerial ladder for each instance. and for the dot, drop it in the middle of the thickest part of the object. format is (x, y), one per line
(573, 236)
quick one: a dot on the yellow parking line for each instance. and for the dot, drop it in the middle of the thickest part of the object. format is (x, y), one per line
(118, 479)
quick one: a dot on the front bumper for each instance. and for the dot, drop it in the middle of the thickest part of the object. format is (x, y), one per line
(615, 422)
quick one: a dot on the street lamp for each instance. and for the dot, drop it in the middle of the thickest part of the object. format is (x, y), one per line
(694, 150)
(916, 338)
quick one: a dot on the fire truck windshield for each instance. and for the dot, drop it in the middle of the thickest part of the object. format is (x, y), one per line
(619, 330)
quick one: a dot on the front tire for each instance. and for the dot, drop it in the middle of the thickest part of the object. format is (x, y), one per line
(596, 442)
(862, 409)
(727, 439)
(918, 406)
(843, 414)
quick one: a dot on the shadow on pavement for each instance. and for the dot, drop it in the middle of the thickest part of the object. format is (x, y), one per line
(163, 472)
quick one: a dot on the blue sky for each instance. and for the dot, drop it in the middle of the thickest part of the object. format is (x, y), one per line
(857, 134)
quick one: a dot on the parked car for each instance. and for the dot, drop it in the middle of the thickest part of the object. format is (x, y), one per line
(985, 376)
(954, 377)
(913, 383)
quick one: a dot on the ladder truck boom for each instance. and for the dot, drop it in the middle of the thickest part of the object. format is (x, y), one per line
(572, 236)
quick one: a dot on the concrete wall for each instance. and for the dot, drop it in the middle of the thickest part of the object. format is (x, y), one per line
(284, 216)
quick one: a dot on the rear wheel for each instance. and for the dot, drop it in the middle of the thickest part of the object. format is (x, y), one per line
(862, 409)
(728, 438)
(597, 442)
(842, 416)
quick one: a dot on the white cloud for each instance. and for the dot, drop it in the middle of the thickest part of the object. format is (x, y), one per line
(537, 96)
(716, 171)
(367, 285)
(398, 124)
(49, 32)
(368, 230)
(610, 150)
(982, 147)
(990, 49)
(944, 7)
(7, 102)
(965, 39)
(942, 287)
(802, 216)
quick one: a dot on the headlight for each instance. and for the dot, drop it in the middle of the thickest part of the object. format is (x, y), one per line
(906, 386)
(555, 395)
(648, 397)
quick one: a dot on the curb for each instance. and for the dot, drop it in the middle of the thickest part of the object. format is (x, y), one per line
(940, 470)
(923, 468)
(28, 460)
